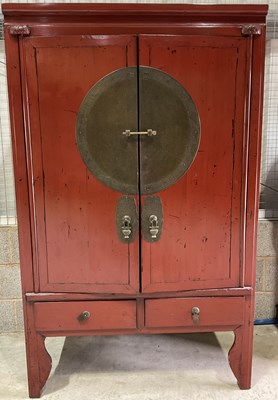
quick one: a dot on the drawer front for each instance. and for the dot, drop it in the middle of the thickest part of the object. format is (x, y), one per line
(178, 312)
(101, 315)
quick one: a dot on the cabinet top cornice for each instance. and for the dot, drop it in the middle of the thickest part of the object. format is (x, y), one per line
(188, 13)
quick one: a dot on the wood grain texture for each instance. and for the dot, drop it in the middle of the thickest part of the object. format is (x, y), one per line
(19, 162)
(74, 213)
(203, 211)
(178, 312)
(133, 18)
(254, 151)
(38, 360)
(229, 292)
(195, 12)
(240, 354)
(65, 316)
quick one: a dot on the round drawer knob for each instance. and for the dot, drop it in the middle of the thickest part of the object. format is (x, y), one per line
(195, 312)
(84, 315)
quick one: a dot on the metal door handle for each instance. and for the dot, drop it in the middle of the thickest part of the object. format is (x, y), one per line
(126, 226)
(153, 228)
(148, 132)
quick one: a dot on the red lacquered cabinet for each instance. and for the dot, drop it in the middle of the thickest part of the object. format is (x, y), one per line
(136, 140)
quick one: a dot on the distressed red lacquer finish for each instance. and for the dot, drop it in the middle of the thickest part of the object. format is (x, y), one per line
(203, 210)
(78, 248)
(78, 277)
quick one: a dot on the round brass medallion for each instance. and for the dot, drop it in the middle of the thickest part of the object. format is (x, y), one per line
(138, 126)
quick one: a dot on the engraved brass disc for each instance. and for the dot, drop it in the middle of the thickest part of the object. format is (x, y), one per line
(168, 108)
(110, 109)
(107, 110)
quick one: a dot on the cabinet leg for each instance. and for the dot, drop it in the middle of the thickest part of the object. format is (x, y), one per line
(240, 355)
(39, 361)
(39, 364)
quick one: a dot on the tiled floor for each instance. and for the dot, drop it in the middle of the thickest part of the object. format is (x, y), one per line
(157, 367)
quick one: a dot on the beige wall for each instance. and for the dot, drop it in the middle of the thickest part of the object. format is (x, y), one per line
(267, 270)
(10, 292)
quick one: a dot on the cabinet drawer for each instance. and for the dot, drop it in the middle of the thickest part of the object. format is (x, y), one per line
(178, 312)
(59, 316)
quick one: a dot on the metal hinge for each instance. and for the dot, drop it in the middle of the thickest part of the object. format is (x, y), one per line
(251, 30)
(19, 30)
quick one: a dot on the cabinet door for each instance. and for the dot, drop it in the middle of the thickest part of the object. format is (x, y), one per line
(200, 244)
(76, 246)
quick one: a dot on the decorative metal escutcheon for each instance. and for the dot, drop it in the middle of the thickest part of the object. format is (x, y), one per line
(154, 227)
(152, 219)
(83, 316)
(126, 227)
(195, 312)
(126, 219)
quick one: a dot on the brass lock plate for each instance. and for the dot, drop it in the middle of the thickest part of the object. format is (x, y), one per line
(126, 219)
(152, 219)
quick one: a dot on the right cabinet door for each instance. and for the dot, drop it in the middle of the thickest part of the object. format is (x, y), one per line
(201, 242)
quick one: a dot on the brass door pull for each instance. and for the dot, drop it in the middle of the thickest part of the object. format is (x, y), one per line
(153, 228)
(126, 226)
(195, 312)
(148, 132)
(84, 315)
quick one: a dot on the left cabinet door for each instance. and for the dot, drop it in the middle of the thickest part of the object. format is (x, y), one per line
(76, 243)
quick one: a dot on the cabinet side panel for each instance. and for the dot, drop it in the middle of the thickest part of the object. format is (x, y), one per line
(19, 160)
(256, 113)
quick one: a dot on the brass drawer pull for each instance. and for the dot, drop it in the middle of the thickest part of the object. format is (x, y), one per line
(148, 132)
(84, 315)
(195, 312)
